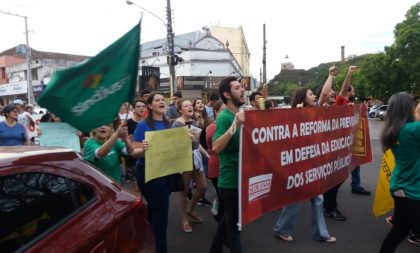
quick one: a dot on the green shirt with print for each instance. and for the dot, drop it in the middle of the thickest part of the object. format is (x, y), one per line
(406, 174)
(228, 158)
(110, 164)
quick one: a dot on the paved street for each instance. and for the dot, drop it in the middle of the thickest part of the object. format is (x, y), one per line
(360, 233)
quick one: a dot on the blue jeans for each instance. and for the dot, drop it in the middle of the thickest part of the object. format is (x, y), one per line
(157, 195)
(227, 232)
(288, 215)
(355, 178)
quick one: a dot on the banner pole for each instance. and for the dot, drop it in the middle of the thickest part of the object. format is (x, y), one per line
(240, 181)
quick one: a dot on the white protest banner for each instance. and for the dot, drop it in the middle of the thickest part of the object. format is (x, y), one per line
(59, 134)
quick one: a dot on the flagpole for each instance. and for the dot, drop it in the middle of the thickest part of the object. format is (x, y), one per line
(171, 44)
(171, 90)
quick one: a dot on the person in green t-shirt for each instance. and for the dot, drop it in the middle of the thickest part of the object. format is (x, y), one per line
(104, 148)
(401, 133)
(226, 144)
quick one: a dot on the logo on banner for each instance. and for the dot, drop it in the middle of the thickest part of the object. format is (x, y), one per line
(359, 148)
(259, 186)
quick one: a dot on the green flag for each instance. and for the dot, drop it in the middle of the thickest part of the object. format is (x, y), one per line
(90, 94)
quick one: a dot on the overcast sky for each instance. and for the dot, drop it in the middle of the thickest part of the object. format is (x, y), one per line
(310, 32)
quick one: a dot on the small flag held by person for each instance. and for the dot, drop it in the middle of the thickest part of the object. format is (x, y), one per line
(89, 95)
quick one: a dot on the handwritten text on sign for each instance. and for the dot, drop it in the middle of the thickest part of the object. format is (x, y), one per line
(169, 152)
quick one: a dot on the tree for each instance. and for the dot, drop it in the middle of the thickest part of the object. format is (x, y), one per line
(406, 48)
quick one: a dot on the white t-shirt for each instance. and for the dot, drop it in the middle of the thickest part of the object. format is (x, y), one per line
(124, 116)
(24, 119)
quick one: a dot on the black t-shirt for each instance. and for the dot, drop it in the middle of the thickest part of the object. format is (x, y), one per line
(131, 125)
(203, 140)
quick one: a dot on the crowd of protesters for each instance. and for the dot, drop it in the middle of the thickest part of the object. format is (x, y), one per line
(118, 149)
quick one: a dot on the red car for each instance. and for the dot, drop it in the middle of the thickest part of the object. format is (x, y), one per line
(53, 201)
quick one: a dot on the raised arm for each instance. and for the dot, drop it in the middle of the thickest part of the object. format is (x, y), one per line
(326, 89)
(121, 132)
(346, 83)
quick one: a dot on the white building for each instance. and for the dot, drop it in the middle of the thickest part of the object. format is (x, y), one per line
(205, 61)
(43, 66)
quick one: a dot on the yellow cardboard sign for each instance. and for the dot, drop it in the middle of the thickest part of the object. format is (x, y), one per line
(383, 201)
(169, 152)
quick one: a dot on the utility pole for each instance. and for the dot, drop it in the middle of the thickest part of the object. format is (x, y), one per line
(29, 70)
(28, 57)
(264, 57)
(170, 41)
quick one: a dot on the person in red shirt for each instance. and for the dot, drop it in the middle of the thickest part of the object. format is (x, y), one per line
(217, 207)
(346, 94)
(344, 97)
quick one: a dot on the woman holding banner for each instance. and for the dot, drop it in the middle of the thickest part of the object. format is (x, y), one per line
(304, 97)
(185, 109)
(401, 133)
(155, 191)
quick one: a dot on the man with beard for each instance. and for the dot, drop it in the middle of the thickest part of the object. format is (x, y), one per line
(226, 144)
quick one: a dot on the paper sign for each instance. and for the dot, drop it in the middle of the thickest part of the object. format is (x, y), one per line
(59, 134)
(33, 131)
(169, 152)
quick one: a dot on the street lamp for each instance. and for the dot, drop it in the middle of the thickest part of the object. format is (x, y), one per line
(132, 3)
(171, 60)
(28, 57)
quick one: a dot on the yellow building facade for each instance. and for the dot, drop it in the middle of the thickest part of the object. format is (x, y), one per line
(234, 39)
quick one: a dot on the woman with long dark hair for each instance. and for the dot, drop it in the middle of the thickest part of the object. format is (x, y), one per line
(401, 133)
(303, 97)
(155, 191)
(202, 121)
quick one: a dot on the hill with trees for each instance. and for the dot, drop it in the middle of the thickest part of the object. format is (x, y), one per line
(380, 75)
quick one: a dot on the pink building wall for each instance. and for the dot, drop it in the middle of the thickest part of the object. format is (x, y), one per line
(7, 61)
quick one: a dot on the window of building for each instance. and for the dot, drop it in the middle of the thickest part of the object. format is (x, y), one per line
(2, 73)
(34, 204)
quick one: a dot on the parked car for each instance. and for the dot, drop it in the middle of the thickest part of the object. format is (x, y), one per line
(381, 115)
(53, 201)
(373, 113)
(39, 110)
